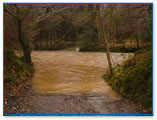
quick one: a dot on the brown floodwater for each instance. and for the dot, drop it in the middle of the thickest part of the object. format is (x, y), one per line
(70, 72)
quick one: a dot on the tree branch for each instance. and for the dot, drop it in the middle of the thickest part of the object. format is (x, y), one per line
(27, 12)
(41, 18)
(8, 12)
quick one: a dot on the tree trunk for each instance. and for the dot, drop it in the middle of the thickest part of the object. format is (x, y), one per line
(40, 44)
(50, 38)
(26, 48)
(132, 29)
(105, 40)
(21, 37)
(107, 51)
(137, 41)
(47, 43)
(123, 44)
(27, 54)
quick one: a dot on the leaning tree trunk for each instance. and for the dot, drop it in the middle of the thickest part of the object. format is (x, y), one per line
(25, 47)
(105, 40)
(107, 50)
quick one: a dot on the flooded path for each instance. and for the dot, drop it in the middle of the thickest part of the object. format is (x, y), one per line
(69, 82)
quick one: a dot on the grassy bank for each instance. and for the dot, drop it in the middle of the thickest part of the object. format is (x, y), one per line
(133, 79)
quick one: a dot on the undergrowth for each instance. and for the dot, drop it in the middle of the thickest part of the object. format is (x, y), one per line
(16, 71)
(133, 79)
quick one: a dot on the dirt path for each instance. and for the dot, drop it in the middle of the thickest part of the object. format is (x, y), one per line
(82, 104)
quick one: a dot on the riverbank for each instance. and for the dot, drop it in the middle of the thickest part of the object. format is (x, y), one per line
(133, 79)
(17, 77)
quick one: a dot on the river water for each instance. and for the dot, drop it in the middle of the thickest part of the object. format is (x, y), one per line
(72, 73)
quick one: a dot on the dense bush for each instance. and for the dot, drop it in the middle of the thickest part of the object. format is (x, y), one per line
(133, 79)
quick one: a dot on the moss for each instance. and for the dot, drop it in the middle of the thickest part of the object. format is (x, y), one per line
(133, 79)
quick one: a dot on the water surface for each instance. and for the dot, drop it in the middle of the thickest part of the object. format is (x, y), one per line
(70, 72)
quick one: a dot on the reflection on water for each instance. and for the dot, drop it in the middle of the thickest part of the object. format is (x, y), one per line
(69, 72)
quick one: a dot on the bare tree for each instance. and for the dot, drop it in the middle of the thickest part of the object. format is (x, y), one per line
(19, 15)
(101, 16)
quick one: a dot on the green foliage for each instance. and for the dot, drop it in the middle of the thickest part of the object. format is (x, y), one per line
(133, 79)
(87, 40)
(15, 68)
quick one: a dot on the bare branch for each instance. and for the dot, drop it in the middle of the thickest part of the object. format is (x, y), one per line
(8, 12)
(41, 18)
(17, 16)
(27, 12)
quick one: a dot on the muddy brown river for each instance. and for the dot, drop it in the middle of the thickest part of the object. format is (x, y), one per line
(70, 82)
(71, 72)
